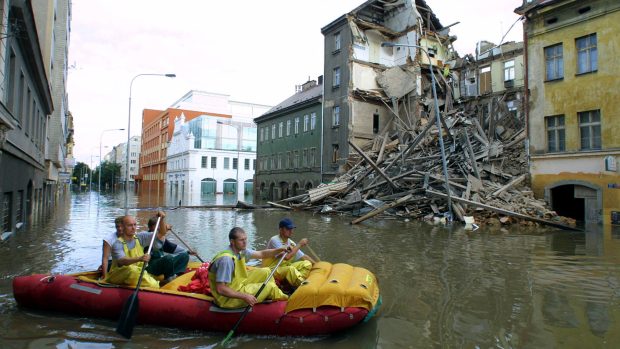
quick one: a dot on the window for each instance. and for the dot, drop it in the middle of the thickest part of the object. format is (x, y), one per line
(19, 212)
(485, 80)
(306, 122)
(6, 211)
(288, 127)
(254, 164)
(509, 70)
(273, 162)
(375, 123)
(336, 115)
(554, 62)
(246, 164)
(279, 161)
(296, 125)
(262, 134)
(304, 158)
(266, 133)
(313, 121)
(273, 131)
(280, 129)
(235, 163)
(587, 54)
(336, 77)
(226, 163)
(296, 159)
(203, 162)
(312, 160)
(287, 160)
(337, 41)
(214, 162)
(334, 153)
(556, 140)
(590, 129)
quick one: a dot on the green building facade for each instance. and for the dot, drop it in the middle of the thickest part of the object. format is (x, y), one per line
(289, 145)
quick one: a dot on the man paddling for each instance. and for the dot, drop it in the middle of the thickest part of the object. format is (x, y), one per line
(296, 266)
(128, 256)
(235, 286)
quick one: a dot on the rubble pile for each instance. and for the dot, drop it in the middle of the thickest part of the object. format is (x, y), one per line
(400, 174)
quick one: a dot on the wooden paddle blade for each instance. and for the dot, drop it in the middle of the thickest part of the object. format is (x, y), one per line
(127, 321)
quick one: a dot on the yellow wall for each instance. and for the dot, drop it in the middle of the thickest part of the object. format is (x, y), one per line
(573, 94)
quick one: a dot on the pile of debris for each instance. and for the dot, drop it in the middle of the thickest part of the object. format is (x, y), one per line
(402, 174)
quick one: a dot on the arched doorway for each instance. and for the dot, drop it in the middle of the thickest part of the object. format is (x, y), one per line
(230, 186)
(248, 187)
(308, 186)
(576, 199)
(295, 190)
(271, 191)
(283, 190)
(207, 186)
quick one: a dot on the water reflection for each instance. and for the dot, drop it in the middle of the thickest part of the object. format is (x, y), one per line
(441, 286)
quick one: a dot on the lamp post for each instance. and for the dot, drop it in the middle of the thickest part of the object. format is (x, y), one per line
(437, 118)
(129, 131)
(238, 129)
(90, 177)
(100, 158)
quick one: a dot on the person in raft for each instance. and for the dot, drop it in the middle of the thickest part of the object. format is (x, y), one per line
(167, 258)
(128, 256)
(296, 265)
(106, 249)
(235, 286)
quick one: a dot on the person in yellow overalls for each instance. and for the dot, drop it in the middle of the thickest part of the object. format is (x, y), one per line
(232, 284)
(296, 265)
(128, 257)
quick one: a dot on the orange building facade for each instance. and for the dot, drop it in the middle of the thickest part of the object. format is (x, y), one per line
(157, 130)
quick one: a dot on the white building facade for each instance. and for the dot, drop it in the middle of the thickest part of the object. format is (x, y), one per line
(134, 156)
(210, 155)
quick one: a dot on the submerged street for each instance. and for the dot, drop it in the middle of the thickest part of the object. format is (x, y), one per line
(441, 286)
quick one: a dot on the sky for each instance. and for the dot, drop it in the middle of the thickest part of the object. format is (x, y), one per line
(253, 51)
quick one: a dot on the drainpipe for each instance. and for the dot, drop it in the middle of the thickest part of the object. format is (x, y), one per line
(322, 124)
(526, 95)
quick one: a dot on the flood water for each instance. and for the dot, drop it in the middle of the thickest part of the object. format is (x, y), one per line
(442, 287)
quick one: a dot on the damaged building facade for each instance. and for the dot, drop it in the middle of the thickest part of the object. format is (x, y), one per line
(371, 91)
(574, 134)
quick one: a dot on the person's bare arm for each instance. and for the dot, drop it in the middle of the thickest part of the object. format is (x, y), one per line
(105, 256)
(268, 253)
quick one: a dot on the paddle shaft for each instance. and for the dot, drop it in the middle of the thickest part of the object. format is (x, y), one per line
(127, 319)
(313, 253)
(247, 309)
(186, 245)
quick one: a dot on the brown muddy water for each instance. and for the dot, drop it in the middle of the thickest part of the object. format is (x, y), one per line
(442, 287)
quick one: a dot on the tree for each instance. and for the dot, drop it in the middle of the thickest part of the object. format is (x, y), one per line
(79, 172)
(110, 172)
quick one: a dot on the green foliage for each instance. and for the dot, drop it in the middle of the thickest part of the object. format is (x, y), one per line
(80, 171)
(110, 174)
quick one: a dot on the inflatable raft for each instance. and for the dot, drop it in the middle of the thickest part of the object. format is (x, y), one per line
(333, 298)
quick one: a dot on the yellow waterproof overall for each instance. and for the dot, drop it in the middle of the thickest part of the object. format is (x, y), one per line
(246, 281)
(129, 274)
(293, 272)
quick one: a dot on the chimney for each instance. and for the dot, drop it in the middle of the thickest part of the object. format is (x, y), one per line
(320, 80)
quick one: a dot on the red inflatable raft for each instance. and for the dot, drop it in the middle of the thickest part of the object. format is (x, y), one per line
(333, 298)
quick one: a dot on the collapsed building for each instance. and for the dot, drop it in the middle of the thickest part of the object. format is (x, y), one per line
(410, 129)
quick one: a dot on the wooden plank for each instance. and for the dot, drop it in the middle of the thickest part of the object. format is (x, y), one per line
(382, 208)
(279, 206)
(374, 166)
(510, 184)
(470, 151)
(502, 211)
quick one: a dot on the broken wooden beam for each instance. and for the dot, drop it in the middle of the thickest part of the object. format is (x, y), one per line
(382, 208)
(373, 165)
(510, 184)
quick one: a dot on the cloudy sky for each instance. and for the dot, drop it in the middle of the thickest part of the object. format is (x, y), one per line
(253, 51)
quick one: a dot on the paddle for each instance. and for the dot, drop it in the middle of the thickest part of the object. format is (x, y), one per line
(186, 245)
(313, 253)
(247, 309)
(127, 321)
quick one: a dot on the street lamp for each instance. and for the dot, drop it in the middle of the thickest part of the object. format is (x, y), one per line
(437, 118)
(100, 158)
(129, 132)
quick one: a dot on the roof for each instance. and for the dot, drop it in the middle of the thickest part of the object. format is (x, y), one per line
(535, 4)
(298, 99)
